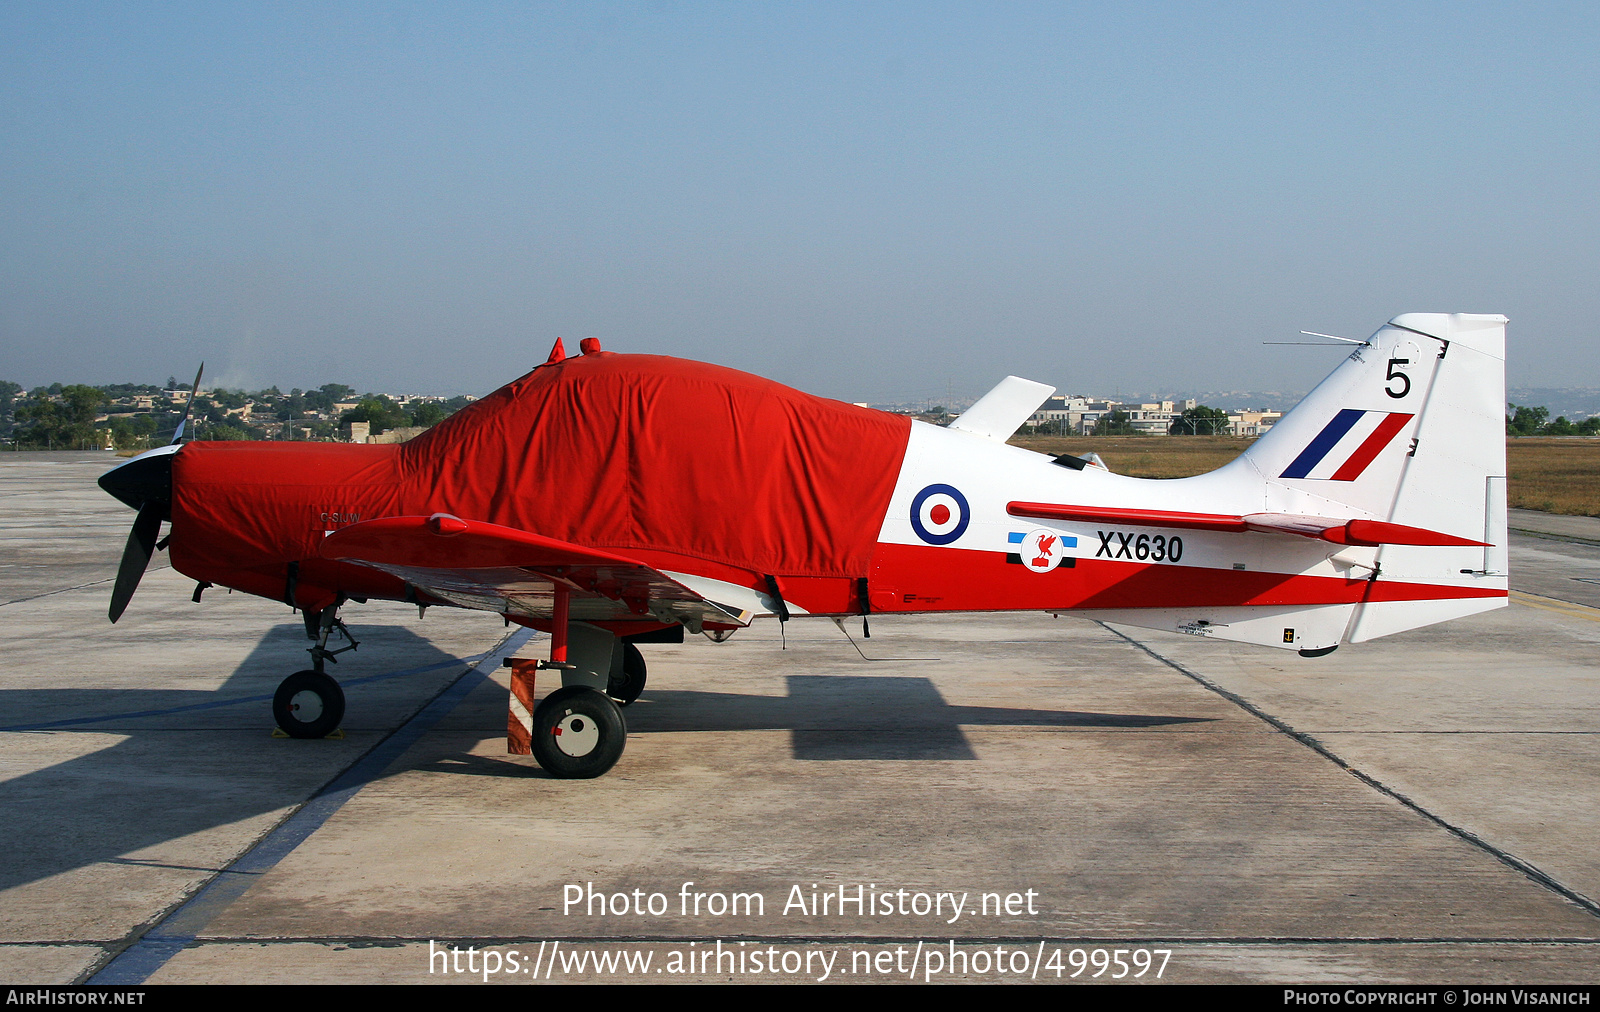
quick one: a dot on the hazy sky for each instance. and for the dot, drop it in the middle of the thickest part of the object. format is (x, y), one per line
(869, 201)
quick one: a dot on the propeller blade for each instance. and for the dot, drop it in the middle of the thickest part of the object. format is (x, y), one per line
(136, 556)
(193, 393)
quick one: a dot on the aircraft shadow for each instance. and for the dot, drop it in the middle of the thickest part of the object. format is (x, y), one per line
(829, 717)
(187, 761)
(834, 717)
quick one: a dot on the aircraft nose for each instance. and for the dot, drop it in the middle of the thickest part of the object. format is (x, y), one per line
(144, 479)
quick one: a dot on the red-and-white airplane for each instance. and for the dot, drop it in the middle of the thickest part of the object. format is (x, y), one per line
(612, 500)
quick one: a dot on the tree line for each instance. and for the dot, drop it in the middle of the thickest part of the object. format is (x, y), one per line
(1522, 420)
(139, 416)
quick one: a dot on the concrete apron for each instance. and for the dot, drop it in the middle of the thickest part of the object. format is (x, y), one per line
(1097, 785)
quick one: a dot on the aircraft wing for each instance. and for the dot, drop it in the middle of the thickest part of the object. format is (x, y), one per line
(487, 567)
(1339, 531)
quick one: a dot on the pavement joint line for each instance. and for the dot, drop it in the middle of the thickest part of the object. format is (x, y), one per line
(163, 864)
(1504, 857)
(1546, 535)
(147, 949)
(1446, 731)
(81, 586)
(215, 703)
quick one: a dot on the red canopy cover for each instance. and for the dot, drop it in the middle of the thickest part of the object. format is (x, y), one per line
(622, 452)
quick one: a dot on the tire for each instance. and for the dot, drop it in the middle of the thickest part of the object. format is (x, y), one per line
(625, 688)
(578, 733)
(308, 704)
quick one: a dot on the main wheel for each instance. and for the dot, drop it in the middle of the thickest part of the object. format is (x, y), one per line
(625, 688)
(578, 733)
(308, 704)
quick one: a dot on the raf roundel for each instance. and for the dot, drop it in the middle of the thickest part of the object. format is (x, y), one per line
(939, 514)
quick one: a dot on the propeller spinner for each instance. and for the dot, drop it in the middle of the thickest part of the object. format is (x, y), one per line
(145, 483)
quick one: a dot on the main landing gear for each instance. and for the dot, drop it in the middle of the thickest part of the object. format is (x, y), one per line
(577, 731)
(310, 704)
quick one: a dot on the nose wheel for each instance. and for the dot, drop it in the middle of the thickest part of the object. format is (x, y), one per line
(578, 733)
(308, 704)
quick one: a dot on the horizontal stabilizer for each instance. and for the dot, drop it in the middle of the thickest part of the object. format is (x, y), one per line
(1001, 411)
(1351, 531)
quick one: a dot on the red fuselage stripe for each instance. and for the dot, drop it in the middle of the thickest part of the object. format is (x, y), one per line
(916, 578)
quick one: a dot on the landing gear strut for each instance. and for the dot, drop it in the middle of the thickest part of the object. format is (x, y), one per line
(310, 704)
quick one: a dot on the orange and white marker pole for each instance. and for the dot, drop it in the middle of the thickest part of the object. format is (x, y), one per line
(519, 721)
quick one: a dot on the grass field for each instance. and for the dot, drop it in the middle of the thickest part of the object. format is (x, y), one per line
(1557, 474)
(1147, 456)
(1553, 474)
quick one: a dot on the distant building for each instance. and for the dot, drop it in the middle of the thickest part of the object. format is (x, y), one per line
(1092, 412)
(398, 435)
(1076, 414)
(1156, 418)
(1073, 414)
(1252, 423)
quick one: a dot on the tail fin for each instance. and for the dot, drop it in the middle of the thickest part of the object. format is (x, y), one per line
(1409, 430)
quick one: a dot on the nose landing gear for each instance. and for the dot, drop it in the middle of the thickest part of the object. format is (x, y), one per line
(310, 704)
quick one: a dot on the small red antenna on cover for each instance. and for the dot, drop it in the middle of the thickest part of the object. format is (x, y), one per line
(557, 353)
